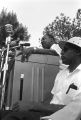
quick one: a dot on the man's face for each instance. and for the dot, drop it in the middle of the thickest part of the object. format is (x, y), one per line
(68, 55)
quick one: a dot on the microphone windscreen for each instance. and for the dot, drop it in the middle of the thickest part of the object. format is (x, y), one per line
(25, 44)
(13, 43)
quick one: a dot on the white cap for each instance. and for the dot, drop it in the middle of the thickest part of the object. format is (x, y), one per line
(74, 40)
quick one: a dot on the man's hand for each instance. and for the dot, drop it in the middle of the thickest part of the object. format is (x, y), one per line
(21, 106)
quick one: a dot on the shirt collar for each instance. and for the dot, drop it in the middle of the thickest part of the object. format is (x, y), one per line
(79, 67)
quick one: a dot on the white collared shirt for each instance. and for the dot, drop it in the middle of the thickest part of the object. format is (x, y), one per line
(62, 82)
(56, 48)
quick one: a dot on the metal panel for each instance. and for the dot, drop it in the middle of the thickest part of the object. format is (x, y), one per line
(39, 74)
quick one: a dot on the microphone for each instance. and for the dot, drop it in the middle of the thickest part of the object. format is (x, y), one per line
(9, 32)
(13, 43)
(23, 43)
(17, 43)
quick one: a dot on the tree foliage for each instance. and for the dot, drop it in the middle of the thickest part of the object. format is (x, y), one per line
(19, 31)
(62, 28)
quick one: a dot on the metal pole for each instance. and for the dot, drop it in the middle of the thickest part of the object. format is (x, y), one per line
(5, 68)
(8, 28)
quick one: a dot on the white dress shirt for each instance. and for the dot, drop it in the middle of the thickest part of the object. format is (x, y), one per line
(62, 82)
(57, 48)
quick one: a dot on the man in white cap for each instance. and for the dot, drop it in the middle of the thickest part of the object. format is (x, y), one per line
(67, 85)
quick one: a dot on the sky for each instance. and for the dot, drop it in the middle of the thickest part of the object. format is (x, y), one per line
(37, 14)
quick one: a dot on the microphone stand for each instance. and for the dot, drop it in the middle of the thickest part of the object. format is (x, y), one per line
(2, 57)
(5, 68)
